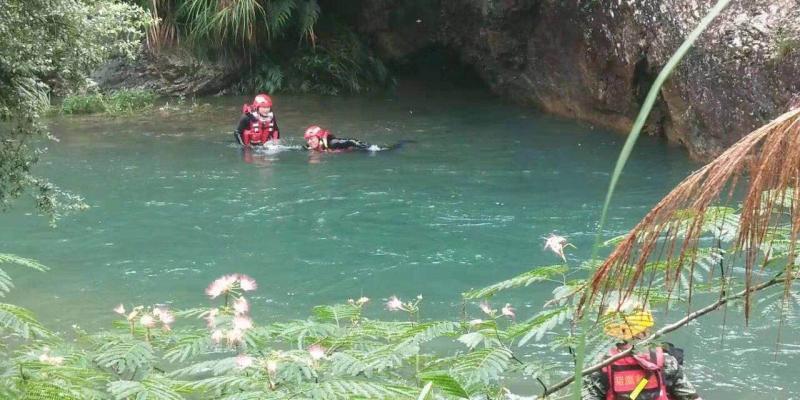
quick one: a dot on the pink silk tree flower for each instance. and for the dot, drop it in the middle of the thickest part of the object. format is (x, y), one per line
(242, 323)
(394, 304)
(244, 361)
(147, 321)
(556, 244)
(316, 352)
(508, 311)
(247, 283)
(120, 309)
(241, 306)
(486, 308)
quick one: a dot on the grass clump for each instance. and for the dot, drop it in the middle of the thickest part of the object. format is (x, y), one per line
(119, 101)
(83, 104)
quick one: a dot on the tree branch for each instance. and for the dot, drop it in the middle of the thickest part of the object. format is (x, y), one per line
(667, 329)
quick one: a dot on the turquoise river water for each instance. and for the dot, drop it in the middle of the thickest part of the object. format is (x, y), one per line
(174, 205)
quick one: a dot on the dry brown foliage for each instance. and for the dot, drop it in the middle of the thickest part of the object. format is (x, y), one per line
(162, 32)
(766, 163)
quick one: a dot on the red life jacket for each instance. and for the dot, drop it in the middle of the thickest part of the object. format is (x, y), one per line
(626, 375)
(262, 128)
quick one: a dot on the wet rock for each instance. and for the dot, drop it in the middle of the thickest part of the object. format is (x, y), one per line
(167, 73)
(399, 28)
(595, 60)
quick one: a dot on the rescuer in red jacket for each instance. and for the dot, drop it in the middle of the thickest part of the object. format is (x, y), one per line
(258, 124)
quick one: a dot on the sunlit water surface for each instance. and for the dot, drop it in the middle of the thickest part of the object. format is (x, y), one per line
(174, 205)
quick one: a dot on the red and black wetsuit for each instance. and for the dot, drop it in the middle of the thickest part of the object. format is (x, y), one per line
(257, 129)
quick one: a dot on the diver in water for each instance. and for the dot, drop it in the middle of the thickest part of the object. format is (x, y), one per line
(318, 139)
(258, 124)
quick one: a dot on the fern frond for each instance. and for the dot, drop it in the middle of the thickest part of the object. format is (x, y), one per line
(21, 322)
(189, 345)
(425, 332)
(307, 14)
(256, 338)
(535, 370)
(536, 327)
(22, 261)
(347, 389)
(337, 313)
(198, 312)
(536, 275)
(214, 367)
(484, 365)
(446, 383)
(73, 378)
(401, 345)
(486, 336)
(236, 22)
(385, 329)
(225, 384)
(199, 14)
(278, 15)
(305, 331)
(125, 356)
(45, 389)
(344, 363)
(722, 223)
(377, 356)
(152, 388)
(6, 283)
(366, 363)
(255, 395)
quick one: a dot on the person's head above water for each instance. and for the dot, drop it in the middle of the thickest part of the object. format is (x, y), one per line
(262, 104)
(627, 321)
(315, 137)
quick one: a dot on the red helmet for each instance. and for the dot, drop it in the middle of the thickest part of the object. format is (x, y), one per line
(315, 131)
(262, 100)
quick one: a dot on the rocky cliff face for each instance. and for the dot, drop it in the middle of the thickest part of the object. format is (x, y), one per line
(594, 60)
(168, 73)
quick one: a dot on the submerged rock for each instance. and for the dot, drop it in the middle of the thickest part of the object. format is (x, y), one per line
(595, 60)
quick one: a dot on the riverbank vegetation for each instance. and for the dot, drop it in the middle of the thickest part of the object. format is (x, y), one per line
(115, 102)
(279, 45)
(51, 46)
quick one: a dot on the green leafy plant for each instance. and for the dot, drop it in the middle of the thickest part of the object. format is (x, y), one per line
(339, 63)
(785, 44)
(83, 104)
(14, 319)
(266, 77)
(117, 102)
(246, 25)
(37, 58)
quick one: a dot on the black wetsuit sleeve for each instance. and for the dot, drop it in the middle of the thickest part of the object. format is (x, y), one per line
(275, 127)
(346, 144)
(244, 123)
